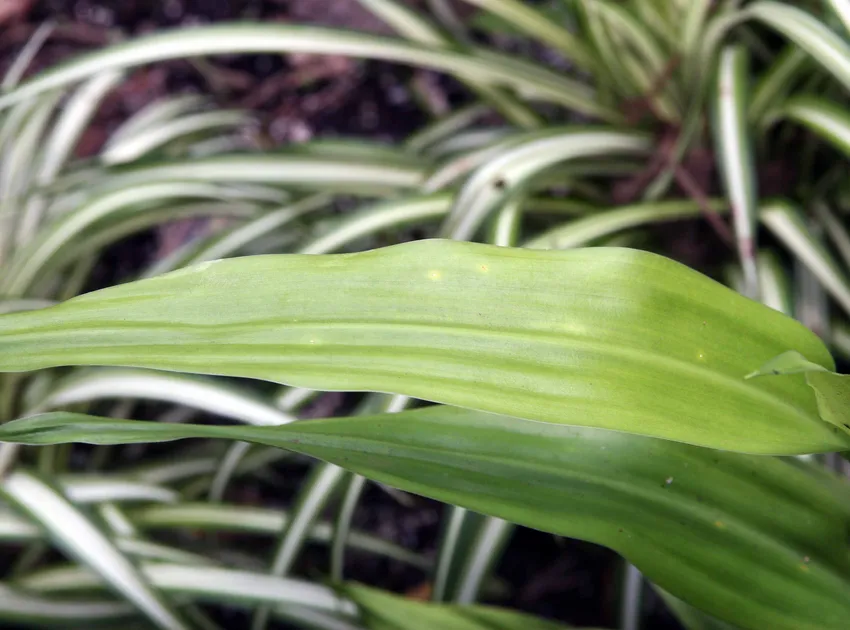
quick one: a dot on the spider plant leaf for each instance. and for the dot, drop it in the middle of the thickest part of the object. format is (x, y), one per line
(614, 338)
(146, 550)
(491, 537)
(151, 116)
(703, 524)
(31, 260)
(81, 539)
(661, 21)
(506, 226)
(205, 394)
(827, 119)
(28, 52)
(496, 69)
(14, 306)
(314, 494)
(15, 528)
(445, 128)
(380, 610)
(229, 463)
(139, 145)
(132, 220)
(342, 526)
(69, 126)
(60, 144)
(611, 75)
(298, 168)
(247, 520)
(359, 150)
(18, 605)
(811, 305)
(588, 229)
(451, 547)
(736, 160)
(470, 545)
(836, 231)
(774, 83)
(393, 214)
(503, 176)
(826, 47)
(538, 25)
(639, 56)
(775, 283)
(88, 489)
(418, 29)
(405, 22)
(19, 151)
(208, 584)
(696, 14)
(787, 224)
(840, 338)
(841, 8)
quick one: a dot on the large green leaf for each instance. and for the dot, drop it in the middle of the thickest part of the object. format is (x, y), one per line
(757, 541)
(613, 338)
(380, 610)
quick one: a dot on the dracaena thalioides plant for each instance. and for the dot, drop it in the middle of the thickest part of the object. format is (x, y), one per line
(545, 376)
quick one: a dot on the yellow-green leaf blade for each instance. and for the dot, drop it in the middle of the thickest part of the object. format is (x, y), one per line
(605, 337)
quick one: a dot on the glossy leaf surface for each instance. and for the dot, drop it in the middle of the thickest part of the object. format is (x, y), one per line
(757, 541)
(612, 338)
(380, 610)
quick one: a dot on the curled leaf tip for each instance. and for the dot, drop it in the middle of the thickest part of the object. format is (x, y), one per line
(791, 362)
